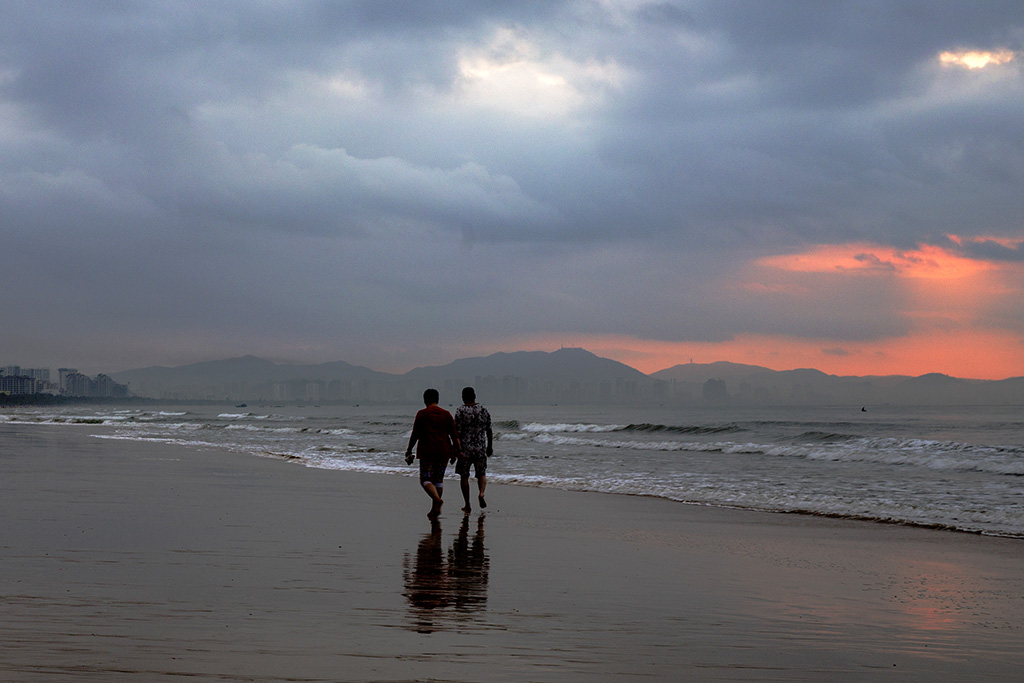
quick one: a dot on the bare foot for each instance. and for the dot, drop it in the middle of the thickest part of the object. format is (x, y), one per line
(467, 509)
(483, 503)
(435, 509)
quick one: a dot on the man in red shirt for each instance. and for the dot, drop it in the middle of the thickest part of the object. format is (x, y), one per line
(434, 431)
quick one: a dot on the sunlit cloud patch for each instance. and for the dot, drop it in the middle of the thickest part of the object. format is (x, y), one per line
(925, 261)
(977, 59)
(515, 75)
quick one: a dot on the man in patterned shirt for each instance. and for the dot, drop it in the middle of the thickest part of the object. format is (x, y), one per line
(473, 423)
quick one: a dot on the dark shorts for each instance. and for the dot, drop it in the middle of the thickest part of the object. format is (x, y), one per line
(432, 470)
(477, 460)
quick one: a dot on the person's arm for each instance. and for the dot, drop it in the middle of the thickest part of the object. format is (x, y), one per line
(413, 437)
(490, 436)
(456, 444)
(458, 423)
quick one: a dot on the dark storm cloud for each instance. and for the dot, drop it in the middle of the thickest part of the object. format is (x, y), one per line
(814, 118)
(991, 250)
(824, 55)
(326, 177)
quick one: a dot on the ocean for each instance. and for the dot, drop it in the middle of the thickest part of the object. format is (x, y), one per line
(957, 468)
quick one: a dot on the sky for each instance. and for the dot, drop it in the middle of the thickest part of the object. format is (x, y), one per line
(405, 183)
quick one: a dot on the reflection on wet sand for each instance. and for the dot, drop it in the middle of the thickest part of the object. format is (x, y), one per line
(446, 590)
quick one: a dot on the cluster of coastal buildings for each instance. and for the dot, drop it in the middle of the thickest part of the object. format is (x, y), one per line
(16, 380)
(397, 389)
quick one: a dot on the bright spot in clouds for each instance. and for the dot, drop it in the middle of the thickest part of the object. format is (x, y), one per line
(512, 74)
(977, 59)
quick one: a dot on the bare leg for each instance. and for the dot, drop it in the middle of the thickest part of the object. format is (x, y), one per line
(481, 481)
(435, 496)
(464, 484)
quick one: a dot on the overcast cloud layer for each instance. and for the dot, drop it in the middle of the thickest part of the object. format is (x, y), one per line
(404, 183)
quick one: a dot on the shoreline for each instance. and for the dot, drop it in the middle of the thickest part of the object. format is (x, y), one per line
(135, 560)
(497, 479)
(820, 464)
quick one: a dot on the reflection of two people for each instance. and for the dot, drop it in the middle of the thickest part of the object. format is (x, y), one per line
(437, 582)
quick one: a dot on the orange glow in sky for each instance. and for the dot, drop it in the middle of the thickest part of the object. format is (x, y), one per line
(974, 355)
(944, 295)
(926, 261)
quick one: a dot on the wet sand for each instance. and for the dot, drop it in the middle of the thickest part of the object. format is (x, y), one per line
(140, 561)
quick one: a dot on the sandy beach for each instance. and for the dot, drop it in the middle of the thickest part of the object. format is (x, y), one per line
(142, 561)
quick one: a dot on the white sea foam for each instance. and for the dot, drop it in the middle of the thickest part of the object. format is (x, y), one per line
(563, 427)
(191, 443)
(265, 430)
(910, 452)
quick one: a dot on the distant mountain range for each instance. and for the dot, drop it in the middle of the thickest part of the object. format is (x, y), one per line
(564, 365)
(567, 376)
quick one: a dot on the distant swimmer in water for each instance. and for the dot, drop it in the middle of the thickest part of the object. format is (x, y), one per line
(437, 443)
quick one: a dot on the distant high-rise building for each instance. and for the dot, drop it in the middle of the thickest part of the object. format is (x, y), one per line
(64, 373)
(77, 384)
(19, 384)
(19, 380)
(41, 374)
(714, 391)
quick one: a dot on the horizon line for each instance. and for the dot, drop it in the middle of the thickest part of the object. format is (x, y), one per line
(561, 348)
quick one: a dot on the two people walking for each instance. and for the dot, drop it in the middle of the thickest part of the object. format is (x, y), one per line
(439, 439)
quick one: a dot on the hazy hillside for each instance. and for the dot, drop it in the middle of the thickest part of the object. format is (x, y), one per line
(754, 385)
(702, 372)
(567, 364)
(568, 376)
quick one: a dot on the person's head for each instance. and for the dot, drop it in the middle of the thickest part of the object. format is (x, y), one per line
(468, 395)
(431, 396)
